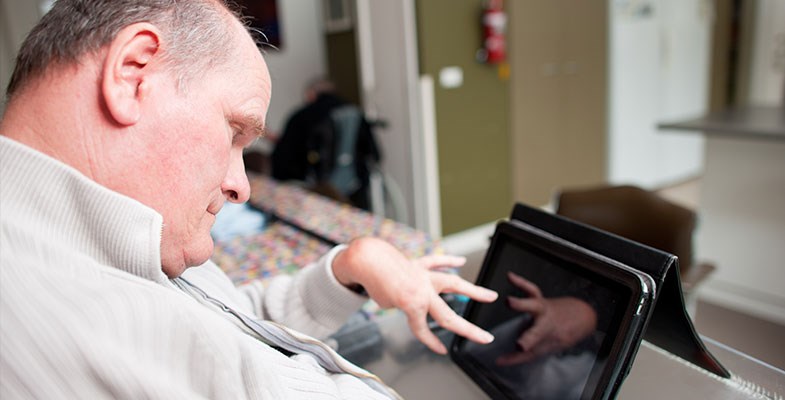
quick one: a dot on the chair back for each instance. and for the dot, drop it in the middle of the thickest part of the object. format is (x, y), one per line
(636, 214)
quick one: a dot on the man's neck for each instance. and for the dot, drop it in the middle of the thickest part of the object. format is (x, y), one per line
(53, 125)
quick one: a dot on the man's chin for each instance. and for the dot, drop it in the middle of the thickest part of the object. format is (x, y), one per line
(173, 271)
(192, 258)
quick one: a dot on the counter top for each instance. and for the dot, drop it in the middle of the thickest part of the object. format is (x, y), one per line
(416, 373)
(754, 122)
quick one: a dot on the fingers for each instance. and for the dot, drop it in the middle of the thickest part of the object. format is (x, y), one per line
(533, 306)
(531, 340)
(419, 326)
(448, 319)
(450, 283)
(441, 261)
(524, 284)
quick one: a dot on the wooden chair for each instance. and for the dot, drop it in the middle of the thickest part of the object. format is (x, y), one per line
(642, 216)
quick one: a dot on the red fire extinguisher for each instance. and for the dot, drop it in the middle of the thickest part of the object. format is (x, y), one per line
(494, 23)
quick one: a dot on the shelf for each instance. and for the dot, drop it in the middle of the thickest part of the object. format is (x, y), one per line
(743, 122)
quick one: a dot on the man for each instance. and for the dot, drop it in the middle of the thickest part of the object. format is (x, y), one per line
(327, 135)
(122, 138)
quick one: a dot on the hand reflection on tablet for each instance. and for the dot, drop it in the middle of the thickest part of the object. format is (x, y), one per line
(558, 323)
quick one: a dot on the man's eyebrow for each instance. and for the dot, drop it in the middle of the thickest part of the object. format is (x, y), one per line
(251, 123)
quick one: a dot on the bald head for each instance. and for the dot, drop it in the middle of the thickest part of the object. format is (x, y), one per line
(195, 32)
(154, 100)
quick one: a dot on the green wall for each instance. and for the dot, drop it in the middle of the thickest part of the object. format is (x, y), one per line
(342, 64)
(472, 121)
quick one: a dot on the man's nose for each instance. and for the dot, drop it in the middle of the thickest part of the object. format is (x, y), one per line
(235, 186)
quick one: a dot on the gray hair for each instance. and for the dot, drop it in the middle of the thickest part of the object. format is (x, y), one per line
(194, 30)
(320, 85)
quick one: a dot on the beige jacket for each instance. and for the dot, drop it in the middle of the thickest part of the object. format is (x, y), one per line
(86, 312)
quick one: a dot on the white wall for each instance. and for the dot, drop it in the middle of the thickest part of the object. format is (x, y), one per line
(6, 55)
(17, 17)
(742, 225)
(742, 216)
(302, 57)
(388, 67)
(767, 69)
(659, 71)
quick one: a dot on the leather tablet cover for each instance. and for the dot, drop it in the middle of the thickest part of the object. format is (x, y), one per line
(670, 327)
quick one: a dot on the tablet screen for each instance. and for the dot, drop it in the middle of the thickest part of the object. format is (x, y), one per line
(555, 323)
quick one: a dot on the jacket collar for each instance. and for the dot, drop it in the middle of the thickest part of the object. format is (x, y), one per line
(65, 208)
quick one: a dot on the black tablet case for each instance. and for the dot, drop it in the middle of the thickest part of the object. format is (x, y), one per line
(669, 327)
(632, 338)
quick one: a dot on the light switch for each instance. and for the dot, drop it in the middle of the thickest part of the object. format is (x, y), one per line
(451, 77)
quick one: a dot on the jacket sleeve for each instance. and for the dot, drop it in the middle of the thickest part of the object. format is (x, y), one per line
(311, 301)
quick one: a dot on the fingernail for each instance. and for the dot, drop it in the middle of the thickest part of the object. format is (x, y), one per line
(441, 350)
(487, 338)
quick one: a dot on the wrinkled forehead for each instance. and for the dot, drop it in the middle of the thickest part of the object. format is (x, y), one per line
(250, 57)
(238, 79)
(244, 81)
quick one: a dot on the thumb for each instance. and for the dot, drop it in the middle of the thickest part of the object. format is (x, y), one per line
(441, 261)
(529, 340)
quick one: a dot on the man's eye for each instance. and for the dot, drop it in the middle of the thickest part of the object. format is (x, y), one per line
(237, 135)
(242, 138)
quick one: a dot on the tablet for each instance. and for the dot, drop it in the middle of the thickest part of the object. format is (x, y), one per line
(567, 323)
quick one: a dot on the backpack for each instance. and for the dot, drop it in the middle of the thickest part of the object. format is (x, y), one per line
(340, 152)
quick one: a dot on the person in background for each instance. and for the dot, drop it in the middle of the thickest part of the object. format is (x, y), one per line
(122, 139)
(310, 148)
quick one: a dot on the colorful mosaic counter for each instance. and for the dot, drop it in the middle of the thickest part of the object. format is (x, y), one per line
(284, 248)
(335, 221)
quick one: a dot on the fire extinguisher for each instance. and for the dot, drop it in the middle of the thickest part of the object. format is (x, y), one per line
(494, 23)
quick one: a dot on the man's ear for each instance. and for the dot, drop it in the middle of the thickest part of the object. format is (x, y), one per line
(126, 69)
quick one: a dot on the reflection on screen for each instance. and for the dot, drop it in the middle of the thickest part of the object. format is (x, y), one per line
(553, 325)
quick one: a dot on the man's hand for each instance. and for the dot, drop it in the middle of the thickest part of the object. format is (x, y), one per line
(559, 323)
(393, 280)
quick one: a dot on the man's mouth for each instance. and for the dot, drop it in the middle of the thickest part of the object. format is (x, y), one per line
(214, 209)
